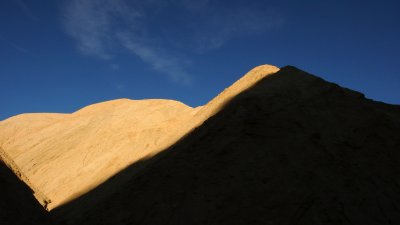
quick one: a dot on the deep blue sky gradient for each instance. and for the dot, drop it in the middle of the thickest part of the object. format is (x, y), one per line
(187, 50)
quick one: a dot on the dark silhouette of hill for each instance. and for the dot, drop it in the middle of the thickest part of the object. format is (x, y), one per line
(293, 149)
(17, 205)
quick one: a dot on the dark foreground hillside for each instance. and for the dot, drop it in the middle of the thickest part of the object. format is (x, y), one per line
(293, 149)
(17, 205)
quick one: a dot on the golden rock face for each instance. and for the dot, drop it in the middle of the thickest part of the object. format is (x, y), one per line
(62, 156)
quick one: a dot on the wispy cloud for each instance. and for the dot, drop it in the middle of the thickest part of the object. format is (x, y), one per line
(17, 47)
(193, 5)
(163, 34)
(160, 61)
(101, 26)
(114, 66)
(28, 12)
(91, 23)
(219, 28)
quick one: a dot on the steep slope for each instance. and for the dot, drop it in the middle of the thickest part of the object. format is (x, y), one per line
(62, 156)
(293, 149)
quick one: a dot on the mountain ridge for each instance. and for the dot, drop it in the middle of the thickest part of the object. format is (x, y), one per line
(291, 148)
(59, 140)
(300, 152)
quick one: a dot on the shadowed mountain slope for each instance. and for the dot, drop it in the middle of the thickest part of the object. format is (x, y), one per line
(17, 205)
(292, 149)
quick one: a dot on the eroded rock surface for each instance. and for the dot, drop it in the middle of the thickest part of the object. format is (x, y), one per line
(62, 156)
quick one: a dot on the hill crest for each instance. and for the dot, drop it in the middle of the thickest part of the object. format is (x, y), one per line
(62, 156)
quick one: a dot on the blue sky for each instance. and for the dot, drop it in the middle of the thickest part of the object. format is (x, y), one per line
(60, 55)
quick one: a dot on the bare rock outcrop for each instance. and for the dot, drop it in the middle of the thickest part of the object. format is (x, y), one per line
(279, 146)
(62, 156)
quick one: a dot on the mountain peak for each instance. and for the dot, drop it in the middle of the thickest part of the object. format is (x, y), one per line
(290, 149)
(241, 85)
(268, 110)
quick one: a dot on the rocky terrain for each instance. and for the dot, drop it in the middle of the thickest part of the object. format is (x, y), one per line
(277, 147)
(62, 156)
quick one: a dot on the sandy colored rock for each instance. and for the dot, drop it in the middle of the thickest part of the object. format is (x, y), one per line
(62, 156)
(288, 148)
